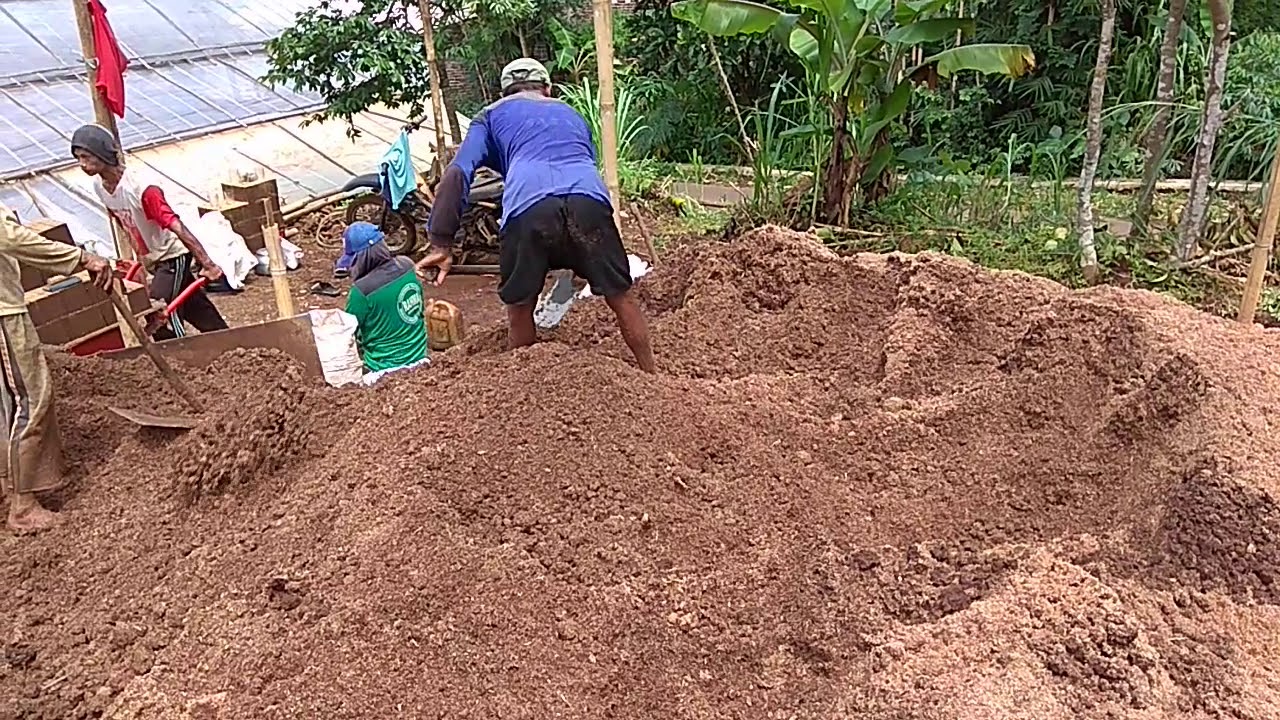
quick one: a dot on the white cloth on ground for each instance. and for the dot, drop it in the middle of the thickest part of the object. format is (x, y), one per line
(371, 378)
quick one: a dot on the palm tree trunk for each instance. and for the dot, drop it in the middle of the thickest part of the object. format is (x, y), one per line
(1159, 132)
(1194, 215)
(835, 185)
(450, 107)
(437, 94)
(1093, 143)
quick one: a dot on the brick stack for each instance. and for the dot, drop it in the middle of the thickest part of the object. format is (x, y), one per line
(74, 312)
(243, 209)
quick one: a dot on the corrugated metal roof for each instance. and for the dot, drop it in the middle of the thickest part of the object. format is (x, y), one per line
(194, 68)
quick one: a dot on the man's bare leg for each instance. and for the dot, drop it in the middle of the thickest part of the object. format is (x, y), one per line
(27, 515)
(635, 329)
(520, 328)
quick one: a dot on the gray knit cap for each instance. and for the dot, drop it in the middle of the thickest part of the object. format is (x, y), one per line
(98, 142)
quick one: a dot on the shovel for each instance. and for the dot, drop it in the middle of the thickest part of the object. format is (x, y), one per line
(180, 422)
(554, 304)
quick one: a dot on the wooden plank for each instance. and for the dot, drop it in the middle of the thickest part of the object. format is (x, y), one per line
(291, 336)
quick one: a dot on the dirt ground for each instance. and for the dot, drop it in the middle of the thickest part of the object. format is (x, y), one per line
(885, 487)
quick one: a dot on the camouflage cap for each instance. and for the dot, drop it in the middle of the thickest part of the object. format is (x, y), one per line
(524, 70)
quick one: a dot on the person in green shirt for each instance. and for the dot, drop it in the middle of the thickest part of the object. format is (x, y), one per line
(387, 301)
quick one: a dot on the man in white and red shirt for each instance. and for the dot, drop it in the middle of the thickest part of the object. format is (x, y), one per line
(165, 245)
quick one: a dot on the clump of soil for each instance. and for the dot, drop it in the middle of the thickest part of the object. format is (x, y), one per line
(872, 486)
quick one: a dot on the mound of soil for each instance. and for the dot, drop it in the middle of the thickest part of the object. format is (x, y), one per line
(886, 487)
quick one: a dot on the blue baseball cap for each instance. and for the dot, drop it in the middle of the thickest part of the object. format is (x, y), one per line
(358, 237)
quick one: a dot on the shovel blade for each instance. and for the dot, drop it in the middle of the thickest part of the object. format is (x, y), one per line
(554, 304)
(176, 422)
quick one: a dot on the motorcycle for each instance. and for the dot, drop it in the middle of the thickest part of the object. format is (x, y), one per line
(477, 236)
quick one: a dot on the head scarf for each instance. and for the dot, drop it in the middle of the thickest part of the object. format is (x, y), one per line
(98, 142)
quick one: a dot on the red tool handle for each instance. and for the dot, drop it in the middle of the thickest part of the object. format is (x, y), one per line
(129, 270)
(183, 296)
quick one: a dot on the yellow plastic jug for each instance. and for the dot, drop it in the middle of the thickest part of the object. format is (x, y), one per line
(445, 326)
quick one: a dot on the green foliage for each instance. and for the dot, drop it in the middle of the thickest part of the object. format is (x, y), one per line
(630, 124)
(854, 53)
(679, 90)
(484, 35)
(1018, 226)
(1250, 16)
(353, 60)
(636, 175)
(359, 54)
(1252, 98)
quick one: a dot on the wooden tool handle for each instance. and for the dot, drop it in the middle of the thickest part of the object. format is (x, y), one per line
(150, 349)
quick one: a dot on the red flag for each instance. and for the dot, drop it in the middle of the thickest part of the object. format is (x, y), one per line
(111, 61)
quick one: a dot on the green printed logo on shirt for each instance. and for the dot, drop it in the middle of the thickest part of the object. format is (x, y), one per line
(410, 303)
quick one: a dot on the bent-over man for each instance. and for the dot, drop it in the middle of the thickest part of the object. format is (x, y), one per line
(556, 210)
(32, 448)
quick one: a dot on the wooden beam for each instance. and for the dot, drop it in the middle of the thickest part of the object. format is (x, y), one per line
(102, 115)
(437, 93)
(279, 270)
(1261, 256)
(602, 16)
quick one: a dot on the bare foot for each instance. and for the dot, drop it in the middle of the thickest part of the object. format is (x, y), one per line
(27, 516)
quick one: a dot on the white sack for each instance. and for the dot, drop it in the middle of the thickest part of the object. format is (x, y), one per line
(335, 335)
(225, 246)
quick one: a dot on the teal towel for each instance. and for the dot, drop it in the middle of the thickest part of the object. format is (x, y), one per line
(397, 171)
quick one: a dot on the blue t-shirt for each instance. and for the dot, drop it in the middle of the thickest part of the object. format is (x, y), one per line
(541, 146)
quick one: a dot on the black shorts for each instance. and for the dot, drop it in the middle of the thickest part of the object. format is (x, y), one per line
(562, 232)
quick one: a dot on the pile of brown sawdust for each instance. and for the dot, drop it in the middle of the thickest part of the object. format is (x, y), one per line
(884, 487)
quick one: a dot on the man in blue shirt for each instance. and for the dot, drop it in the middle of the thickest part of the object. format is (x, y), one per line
(556, 211)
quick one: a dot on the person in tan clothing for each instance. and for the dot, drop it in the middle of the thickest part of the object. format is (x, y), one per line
(32, 452)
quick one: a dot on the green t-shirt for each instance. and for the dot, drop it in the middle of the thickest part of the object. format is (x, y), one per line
(393, 331)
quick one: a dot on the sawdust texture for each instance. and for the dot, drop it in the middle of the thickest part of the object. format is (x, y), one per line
(887, 487)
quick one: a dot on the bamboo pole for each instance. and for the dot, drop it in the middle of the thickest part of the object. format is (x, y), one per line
(1266, 239)
(279, 271)
(437, 94)
(102, 115)
(602, 15)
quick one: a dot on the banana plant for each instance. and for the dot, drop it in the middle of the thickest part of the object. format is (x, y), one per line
(858, 53)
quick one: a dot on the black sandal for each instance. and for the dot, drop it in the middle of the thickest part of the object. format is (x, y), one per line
(321, 287)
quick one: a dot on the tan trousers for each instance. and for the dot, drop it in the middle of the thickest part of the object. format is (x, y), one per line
(33, 451)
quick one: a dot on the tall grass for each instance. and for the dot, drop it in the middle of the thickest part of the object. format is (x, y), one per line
(636, 174)
(791, 134)
(630, 123)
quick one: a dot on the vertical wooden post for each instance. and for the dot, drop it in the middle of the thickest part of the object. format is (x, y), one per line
(602, 15)
(279, 271)
(102, 115)
(438, 114)
(1261, 256)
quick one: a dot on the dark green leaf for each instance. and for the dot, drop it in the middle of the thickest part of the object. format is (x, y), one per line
(929, 31)
(986, 59)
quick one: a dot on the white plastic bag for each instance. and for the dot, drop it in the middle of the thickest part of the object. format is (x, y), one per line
(335, 335)
(639, 268)
(292, 254)
(225, 246)
(292, 258)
